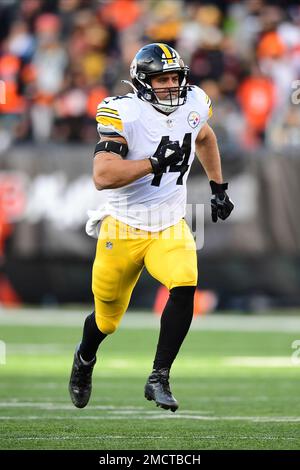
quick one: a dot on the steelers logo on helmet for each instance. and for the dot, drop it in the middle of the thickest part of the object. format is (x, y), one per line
(156, 59)
(133, 68)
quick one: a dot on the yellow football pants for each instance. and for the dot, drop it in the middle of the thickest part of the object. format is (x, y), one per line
(123, 251)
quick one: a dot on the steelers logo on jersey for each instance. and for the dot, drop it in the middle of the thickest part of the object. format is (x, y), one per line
(194, 119)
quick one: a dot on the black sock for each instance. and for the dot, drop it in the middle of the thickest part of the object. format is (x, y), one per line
(174, 325)
(91, 338)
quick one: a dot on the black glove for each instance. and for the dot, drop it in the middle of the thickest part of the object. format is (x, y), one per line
(221, 205)
(166, 155)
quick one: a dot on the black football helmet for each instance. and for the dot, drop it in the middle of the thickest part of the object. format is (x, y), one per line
(155, 59)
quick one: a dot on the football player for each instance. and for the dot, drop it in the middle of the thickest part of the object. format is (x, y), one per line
(148, 139)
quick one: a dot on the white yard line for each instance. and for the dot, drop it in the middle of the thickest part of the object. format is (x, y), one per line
(157, 415)
(103, 438)
(227, 361)
(259, 361)
(213, 322)
(34, 348)
(55, 407)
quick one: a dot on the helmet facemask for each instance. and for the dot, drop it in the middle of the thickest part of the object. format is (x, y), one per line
(174, 96)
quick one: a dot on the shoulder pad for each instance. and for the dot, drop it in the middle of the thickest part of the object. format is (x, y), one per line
(202, 100)
(114, 112)
(108, 118)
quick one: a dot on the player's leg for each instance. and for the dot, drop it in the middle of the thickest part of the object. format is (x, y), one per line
(172, 260)
(115, 273)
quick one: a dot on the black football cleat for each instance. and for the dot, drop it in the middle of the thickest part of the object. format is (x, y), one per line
(157, 388)
(80, 385)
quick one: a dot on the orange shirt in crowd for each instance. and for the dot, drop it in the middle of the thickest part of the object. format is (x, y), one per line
(270, 46)
(256, 96)
(95, 96)
(10, 68)
(12, 71)
(121, 13)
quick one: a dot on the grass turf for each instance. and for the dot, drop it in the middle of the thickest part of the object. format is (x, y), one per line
(237, 390)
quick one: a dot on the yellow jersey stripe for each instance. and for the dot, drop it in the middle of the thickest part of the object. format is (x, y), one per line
(108, 110)
(166, 52)
(110, 121)
(210, 111)
(106, 113)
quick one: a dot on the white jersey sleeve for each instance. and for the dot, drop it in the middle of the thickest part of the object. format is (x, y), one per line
(115, 116)
(203, 103)
(109, 121)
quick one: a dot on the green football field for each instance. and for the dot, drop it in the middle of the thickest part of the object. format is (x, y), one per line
(235, 379)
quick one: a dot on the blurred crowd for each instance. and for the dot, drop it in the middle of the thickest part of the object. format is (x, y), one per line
(60, 58)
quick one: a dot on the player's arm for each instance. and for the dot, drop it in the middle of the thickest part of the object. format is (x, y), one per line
(110, 170)
(208, 154)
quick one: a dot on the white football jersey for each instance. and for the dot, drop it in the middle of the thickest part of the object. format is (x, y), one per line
(152, 202)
